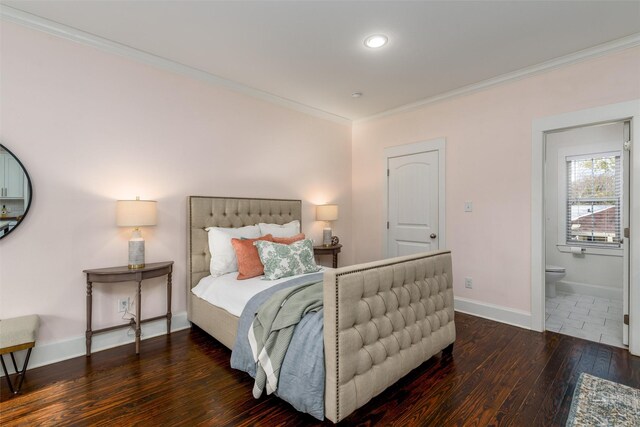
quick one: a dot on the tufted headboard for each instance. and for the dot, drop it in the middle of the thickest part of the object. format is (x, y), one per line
(233, 212)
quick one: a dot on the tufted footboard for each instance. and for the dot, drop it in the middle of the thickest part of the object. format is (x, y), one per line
(381, 320)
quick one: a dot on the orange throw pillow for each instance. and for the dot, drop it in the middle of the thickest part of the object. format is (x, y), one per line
(288, 240)
(249, 264)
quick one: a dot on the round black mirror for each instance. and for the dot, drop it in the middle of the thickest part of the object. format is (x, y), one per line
(15, 192)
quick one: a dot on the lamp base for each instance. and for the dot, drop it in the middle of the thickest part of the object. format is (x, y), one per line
(136, 250)
(326, 236)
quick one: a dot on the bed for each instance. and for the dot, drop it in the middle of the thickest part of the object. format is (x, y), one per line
(381, 319)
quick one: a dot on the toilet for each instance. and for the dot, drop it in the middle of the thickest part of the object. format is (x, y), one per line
(552, 274)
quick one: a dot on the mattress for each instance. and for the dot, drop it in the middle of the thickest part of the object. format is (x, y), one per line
(231, 294)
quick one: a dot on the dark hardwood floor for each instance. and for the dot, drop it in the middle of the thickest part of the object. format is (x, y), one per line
(498, 375)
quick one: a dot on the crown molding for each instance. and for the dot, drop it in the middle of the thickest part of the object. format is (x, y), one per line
(579, 56)
(73, 34)
(70, 33)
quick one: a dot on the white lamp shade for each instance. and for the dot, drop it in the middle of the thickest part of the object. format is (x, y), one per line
(136, 213)
(327, 212)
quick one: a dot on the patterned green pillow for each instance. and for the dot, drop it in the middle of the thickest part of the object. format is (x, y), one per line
(286, 260)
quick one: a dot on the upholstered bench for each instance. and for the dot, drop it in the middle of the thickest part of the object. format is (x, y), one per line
(17, 334)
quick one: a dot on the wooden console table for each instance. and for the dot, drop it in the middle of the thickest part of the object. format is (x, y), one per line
(125, 274)
(329, 250)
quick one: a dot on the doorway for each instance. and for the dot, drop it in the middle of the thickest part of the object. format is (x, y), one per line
(414, 202)
(586, 205)
(625, 111)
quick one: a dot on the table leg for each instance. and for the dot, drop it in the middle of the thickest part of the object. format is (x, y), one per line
(88, 333)
(138, 317)
(168, 303)
(335, 259)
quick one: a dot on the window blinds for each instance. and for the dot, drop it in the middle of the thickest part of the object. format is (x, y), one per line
(594, 194)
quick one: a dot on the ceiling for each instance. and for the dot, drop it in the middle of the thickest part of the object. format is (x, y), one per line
(312, 52)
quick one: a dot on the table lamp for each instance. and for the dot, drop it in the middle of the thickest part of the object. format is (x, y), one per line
(326, 213)
(136, 213)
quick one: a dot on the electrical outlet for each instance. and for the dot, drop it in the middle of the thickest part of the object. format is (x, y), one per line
(468, 282)
(468, 206)
(123, 305)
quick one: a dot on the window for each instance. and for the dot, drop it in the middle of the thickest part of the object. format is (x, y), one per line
(594, 193)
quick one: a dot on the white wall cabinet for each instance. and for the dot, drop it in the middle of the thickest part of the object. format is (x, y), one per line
(11, 177)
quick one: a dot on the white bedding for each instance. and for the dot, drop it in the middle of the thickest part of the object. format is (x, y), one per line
(231, 294)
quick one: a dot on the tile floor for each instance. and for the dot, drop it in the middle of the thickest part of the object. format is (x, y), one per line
(591, 318)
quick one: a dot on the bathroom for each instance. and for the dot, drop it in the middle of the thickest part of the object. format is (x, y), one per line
(586, 257)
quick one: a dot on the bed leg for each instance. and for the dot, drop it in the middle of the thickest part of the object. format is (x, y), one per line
(448, 350)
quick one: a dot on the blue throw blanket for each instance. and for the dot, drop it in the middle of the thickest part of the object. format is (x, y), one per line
(301, 381)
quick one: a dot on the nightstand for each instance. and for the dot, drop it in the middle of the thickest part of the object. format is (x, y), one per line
(329, 250)
(126, 274)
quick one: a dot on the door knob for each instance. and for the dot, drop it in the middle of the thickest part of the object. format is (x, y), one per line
(433, 235)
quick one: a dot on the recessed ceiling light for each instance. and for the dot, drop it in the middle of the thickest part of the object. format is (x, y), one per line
(376, 41)
(356, 94)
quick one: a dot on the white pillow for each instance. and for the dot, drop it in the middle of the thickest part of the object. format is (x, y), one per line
(289, 229)
(223, 257)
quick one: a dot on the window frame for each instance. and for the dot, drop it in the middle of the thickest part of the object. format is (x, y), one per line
(575, 153)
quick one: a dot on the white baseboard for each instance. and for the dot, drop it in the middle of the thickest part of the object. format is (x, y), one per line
(498, 313)
(591, 290)
(52, 352)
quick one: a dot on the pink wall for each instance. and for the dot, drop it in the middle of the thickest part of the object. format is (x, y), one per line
(488, 162)
(91, 127)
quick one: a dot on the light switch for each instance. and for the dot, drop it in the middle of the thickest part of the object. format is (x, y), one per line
(468, 206)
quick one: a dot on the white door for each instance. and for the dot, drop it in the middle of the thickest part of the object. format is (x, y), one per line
(412, 204)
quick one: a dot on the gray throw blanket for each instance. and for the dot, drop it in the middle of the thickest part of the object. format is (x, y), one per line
(272, 330)
(302, 373)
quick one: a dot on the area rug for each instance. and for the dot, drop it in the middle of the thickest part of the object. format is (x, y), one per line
(599, 402)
